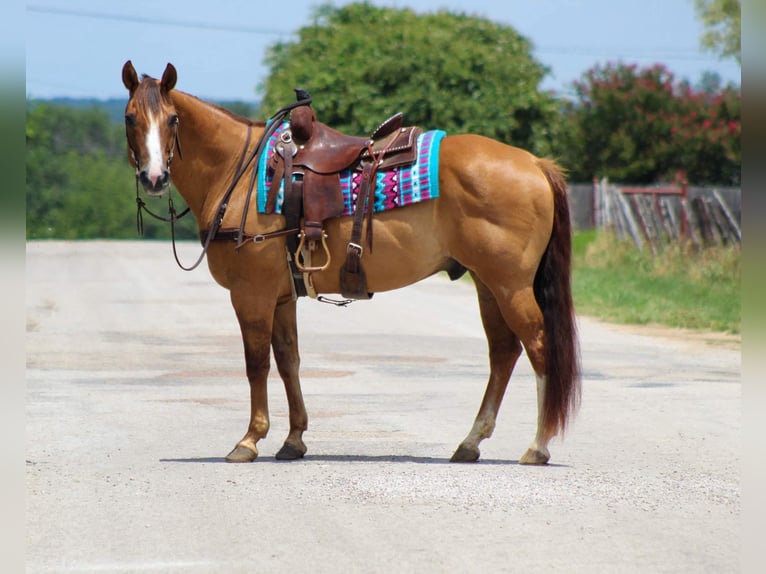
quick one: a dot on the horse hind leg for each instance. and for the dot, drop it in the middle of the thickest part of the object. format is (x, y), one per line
(523, 314)
(538, 452)
(504, 351)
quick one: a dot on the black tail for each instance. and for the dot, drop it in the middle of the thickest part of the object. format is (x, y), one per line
(553, 292)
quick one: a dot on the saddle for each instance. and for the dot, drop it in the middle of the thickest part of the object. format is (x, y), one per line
(308, 160)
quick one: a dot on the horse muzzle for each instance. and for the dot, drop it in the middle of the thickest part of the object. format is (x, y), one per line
(154, 185)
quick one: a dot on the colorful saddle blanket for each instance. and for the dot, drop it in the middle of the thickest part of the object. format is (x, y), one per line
(398, 187)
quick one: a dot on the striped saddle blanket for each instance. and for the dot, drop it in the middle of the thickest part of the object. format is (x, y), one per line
(398, 187)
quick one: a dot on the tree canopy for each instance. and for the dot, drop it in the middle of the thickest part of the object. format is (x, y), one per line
(362, 63)
(641, 125)
(79, 183)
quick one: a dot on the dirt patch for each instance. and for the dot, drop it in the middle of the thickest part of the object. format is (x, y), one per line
(692, 336)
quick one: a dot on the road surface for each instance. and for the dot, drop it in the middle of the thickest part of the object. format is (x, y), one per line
(136, 391)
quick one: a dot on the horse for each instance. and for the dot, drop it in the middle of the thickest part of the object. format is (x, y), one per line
(502, 214)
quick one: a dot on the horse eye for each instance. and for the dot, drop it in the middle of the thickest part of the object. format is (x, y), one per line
(173, 120)
(130, 120)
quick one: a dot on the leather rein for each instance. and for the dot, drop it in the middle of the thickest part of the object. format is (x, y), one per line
(242, 165)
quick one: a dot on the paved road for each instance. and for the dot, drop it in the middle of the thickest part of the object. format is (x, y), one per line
(135, 392)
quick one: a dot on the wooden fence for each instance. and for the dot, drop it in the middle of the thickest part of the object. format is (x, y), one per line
(653, 216)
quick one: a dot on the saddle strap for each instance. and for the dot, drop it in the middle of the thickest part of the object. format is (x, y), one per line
(274, 122)
(368, 174)
(292, 212)
(353, 280)
(282, 163)
(279, 172)
(368, 184)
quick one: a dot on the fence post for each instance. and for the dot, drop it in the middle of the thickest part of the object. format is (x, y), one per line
(684, 192)
(728, 214)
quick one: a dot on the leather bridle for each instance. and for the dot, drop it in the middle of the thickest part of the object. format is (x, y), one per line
(244, 162)
(140, 202)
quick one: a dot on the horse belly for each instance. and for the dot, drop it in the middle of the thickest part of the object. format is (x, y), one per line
(407, 247)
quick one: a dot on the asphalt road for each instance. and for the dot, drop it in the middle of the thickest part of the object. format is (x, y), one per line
(136, 391)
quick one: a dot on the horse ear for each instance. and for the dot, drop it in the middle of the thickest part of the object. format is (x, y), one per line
(129, 77)
(169, 78)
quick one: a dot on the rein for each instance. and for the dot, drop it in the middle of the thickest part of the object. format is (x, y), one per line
(242, 166)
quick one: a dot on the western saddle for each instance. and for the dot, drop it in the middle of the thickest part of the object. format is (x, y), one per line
(307, 162)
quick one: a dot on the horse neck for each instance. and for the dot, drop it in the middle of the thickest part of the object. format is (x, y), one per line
(211, 142)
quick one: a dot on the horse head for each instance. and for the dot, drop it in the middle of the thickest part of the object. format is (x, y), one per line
(151, 126)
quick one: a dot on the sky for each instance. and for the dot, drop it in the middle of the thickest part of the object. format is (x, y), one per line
(76, 48)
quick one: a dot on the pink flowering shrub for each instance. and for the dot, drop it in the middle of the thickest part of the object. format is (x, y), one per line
(640, 125)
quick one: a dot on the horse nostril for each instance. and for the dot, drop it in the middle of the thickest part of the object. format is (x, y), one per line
(154, 183)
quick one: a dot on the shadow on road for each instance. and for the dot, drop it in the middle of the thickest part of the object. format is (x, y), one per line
(357, 458)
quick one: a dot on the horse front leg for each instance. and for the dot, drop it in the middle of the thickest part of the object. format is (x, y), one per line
(284, 342)
(255, 316)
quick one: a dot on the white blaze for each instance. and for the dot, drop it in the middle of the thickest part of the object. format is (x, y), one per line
(154, 149)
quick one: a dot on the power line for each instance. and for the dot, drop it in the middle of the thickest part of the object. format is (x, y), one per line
(156, 22)
(674, 53)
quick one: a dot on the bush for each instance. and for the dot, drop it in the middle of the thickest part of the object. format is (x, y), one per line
(641, 126)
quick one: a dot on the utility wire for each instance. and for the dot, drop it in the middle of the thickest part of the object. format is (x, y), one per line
(158, 22)
(583, 51)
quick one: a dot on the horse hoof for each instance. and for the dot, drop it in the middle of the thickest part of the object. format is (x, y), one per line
(465, 454)
(241, 454)
(535, 457)
(290, 452)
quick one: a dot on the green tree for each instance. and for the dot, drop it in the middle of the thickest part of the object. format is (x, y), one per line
(62, 144)
(462, 74)
(79, 183)
(722, 20)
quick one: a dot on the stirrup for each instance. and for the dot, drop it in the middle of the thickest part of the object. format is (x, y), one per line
(298, 257)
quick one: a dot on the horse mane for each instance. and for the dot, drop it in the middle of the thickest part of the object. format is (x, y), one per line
(154, 97)
(229, 113)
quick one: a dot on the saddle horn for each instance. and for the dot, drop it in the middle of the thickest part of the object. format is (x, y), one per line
(302, 95)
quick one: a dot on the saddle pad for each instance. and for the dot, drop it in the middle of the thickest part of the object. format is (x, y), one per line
(398, 187)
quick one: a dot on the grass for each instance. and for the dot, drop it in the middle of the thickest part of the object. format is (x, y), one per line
(679, 287)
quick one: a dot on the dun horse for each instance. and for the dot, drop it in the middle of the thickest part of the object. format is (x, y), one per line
(501, 214)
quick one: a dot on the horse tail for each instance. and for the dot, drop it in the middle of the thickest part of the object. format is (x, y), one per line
(553, 291)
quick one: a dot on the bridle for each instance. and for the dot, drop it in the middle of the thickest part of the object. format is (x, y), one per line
(244, 162)
(173, 215)
(140, 202)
